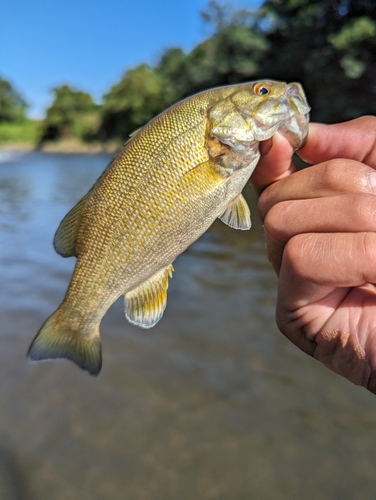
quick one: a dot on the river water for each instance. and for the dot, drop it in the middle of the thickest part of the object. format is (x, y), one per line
(212, 403)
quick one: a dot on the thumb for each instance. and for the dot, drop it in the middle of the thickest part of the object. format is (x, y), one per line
(275, 162)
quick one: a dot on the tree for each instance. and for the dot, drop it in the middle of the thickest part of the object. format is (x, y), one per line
(231, 55)
(172, 70)
(12, 105)
(329, 46)
(132, 102)
(73, 113)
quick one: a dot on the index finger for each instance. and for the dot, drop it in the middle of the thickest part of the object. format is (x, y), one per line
(353, 140)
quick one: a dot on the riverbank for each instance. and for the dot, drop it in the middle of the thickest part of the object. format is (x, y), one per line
(76, 146)
(16, 146)
(63, 146)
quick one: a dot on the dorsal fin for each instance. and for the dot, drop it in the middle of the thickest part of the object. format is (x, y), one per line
(66, 234)
(132, 134)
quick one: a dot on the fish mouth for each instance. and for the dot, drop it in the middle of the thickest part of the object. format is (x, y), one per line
(294, 127)
(288, 114)
(246, 120)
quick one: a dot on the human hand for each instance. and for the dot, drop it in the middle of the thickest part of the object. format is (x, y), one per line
(320, 228)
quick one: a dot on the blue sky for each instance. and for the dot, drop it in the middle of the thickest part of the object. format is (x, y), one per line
(90, 43)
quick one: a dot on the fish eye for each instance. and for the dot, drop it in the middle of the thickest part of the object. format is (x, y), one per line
(261, 89)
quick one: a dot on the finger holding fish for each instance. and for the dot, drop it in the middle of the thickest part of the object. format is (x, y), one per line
(275, 163)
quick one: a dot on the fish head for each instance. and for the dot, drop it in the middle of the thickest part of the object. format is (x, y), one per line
(256, 110)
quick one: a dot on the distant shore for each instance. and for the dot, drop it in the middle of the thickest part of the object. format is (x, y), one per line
(16, 146)
(64, 146)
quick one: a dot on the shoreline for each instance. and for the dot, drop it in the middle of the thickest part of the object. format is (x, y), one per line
(65, 146)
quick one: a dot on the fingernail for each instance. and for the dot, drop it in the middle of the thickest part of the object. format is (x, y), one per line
(372, 181)
(265, 146)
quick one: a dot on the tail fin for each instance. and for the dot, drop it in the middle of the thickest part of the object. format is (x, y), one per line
(53, 342)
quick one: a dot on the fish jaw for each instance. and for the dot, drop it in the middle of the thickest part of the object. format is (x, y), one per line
(244, 118)
(295, 128)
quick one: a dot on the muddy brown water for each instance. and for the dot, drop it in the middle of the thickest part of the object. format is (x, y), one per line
(212, 403)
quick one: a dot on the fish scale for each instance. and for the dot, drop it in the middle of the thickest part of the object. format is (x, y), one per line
(164, 189)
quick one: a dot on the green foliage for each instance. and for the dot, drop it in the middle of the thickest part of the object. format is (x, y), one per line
(23, 131)
(353, 39)
(14, 126)
(173, 73)
(327, 45)
(354, 32)
(132, 102)
(72, 114)
(235, 50)
(231, 55)
(12, 105)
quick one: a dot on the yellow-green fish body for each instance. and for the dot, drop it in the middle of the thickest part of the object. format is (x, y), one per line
(164, 189)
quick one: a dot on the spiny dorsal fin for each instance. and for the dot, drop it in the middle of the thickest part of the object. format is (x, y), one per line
(144, 306)
(66, 234)
(132, 134)
(237, 214)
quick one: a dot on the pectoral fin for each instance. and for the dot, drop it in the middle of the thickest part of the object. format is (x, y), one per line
(66, 234)
(237, 214)
(144, 306)
(208, 173)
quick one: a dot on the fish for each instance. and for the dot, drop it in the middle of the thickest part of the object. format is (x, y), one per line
(171, 180)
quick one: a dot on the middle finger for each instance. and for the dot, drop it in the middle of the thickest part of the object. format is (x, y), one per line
(334, 214)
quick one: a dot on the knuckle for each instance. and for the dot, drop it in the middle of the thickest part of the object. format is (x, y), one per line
(364, 253)
(341, 175)
(330, 171)
(295, 254)
(367, 250)
(272, 219)
(364, 211)
(277, 217)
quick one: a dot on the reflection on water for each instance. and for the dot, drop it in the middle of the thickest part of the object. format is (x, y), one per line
(212, 403)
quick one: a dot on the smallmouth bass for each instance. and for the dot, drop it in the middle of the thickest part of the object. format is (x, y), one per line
(164, 189)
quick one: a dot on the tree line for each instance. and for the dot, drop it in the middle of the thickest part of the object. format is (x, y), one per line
(327, 45)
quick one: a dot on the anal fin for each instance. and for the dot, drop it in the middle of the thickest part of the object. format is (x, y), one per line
(144, 306)
(237, 214)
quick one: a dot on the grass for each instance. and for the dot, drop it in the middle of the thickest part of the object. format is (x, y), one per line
(21, 133)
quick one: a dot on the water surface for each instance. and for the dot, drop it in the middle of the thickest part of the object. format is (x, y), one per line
(212, 403)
